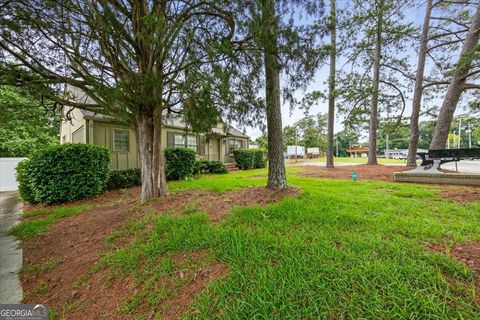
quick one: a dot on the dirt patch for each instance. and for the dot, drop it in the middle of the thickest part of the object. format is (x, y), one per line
(108, 197)
(108, 297)
(76, 242)
(460, 194)
(364, 172)
(218, 205)
(64, 256)
(438, 248)
(469, 255)
(466, 253)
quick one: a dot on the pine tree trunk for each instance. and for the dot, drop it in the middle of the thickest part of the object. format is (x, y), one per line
(152, 161)
(457, 83)
(331, 84)
(372, 134)
(276, 167)
(417, 94)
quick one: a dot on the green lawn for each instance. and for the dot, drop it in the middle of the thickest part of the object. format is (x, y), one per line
(30, 228)
(341, 250)
(352, 160)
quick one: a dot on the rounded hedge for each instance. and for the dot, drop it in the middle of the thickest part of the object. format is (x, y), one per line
(205, 166)
(249, 158)
(217, 167)
(180, 162)
(65, 173)
(124, 179)
(259, 160)
(24, 185)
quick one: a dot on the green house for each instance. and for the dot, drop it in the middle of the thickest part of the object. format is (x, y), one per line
(94, 128)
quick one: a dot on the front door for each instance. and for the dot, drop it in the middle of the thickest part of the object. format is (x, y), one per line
(214, 149)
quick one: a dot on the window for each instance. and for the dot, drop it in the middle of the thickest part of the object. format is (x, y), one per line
(192, 142)
(179, 141)
(121, 140)
(234, 144)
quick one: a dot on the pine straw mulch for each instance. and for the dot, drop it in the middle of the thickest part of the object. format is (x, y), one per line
(56, 264)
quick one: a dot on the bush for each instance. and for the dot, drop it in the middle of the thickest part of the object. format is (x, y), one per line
(217, 167)
(24, 185)
(243, 158)
(180, 163)
(249, 158)
(201, 166)
(205, 166)
(258, 158)
(64, 173)
(124, 179)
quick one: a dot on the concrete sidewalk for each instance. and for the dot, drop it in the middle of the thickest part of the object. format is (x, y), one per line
(10, 251)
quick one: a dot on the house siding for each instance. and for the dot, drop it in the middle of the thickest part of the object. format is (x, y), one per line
(92, 131)
(69, 127)
(103, 134)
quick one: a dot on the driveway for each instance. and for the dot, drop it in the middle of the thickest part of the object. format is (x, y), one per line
(10, 252)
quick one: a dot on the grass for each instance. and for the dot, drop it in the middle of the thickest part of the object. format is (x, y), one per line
(48, 264)
(351, 160)
(341, 250)
(30, 228)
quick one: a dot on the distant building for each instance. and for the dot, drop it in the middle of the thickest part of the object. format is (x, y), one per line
(400, 153)
(358, 152)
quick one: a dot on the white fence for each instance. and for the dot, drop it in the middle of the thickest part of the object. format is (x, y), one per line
(8, 182)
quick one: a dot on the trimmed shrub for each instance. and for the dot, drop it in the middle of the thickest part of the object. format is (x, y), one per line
(67, 172)
(217, 167)
(258, 158)
(249, 158)
(24, 185)
(205, 166)
(124, 179)
(201, 166)
(243, 158)
(180, 163)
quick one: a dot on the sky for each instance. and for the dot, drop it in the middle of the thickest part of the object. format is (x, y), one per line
(289, 117)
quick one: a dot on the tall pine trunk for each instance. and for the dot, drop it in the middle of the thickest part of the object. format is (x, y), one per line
(276, 167)
(372, 134)
(417, 94)
(457, 84)
(331, 83)
(152, 161)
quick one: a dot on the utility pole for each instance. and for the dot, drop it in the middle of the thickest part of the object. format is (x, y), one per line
(296, 143)
(459, 132)
(454, 139)
(469, 131)
(337, 146)
(387, 147)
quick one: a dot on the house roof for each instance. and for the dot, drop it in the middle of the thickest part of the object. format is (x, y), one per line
(170, 120)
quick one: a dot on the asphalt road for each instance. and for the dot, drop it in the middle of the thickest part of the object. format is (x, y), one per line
(464, 166)
(10, 251)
